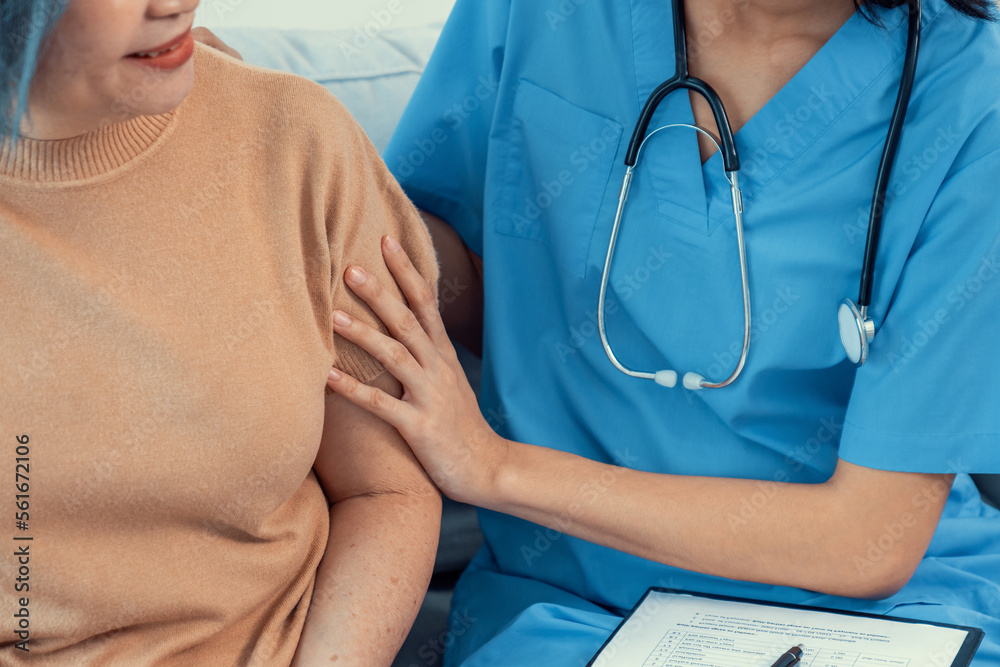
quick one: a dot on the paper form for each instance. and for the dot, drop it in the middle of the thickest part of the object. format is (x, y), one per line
(680, 630)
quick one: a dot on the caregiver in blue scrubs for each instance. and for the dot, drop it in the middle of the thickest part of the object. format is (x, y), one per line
(809, 480)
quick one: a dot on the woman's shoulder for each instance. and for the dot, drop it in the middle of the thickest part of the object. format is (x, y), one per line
(289, 107)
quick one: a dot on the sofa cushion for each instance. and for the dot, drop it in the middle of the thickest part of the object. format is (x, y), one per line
(373, 76)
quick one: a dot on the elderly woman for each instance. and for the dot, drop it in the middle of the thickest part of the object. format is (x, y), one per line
(173, 230)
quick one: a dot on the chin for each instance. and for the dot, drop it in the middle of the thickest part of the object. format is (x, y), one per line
(154, 92)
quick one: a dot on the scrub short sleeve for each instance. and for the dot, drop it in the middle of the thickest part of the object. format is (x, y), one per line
(439, 150)
(928, 398)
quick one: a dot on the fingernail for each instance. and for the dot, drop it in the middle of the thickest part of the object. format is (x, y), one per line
(356, 276)
(391, 244)
(335, 375)
(341, 319)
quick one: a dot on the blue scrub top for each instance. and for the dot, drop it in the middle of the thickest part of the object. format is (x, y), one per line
(516, 136)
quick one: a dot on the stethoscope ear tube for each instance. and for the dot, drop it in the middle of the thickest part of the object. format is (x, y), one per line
(726, 140)
(889, 154)
(682, 79)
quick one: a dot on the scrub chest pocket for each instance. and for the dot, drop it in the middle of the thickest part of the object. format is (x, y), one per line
(558, 161)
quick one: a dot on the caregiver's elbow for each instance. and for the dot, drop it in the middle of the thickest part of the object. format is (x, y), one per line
(879, 568)
(880, 524)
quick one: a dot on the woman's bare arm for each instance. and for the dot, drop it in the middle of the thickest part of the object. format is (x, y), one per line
(384, 524)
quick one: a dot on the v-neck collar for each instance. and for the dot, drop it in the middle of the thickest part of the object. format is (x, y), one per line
(778, 134)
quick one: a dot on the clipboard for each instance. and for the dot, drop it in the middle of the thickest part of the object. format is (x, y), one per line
(671, 627)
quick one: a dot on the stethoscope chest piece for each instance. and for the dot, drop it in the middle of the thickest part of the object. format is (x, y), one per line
(856, 331)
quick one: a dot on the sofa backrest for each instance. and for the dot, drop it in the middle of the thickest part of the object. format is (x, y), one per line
(373, 76)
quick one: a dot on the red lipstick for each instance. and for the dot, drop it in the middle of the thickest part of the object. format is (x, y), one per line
(167, 56)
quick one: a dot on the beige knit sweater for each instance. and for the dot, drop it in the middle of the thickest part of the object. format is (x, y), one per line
(166, 288)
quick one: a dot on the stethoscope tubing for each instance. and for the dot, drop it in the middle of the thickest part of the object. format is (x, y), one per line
(681, 80)
(889, 154)
(856, 317)
(668, 378)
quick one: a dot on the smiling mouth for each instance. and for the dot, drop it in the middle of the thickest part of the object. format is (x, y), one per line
(169, 56)
(155, 54)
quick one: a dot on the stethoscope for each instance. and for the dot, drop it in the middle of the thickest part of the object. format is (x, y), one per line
(856, 329)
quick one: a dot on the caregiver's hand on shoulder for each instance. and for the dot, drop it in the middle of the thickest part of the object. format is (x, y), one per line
(438, 414)
(209, 38)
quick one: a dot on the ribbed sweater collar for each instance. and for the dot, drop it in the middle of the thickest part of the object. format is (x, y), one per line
(85, 157)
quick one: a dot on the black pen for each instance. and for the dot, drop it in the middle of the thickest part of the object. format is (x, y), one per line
(790, 657)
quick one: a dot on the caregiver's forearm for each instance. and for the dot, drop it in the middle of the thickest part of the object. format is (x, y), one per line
(461, 285)
(372, 580)
(861, 534)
